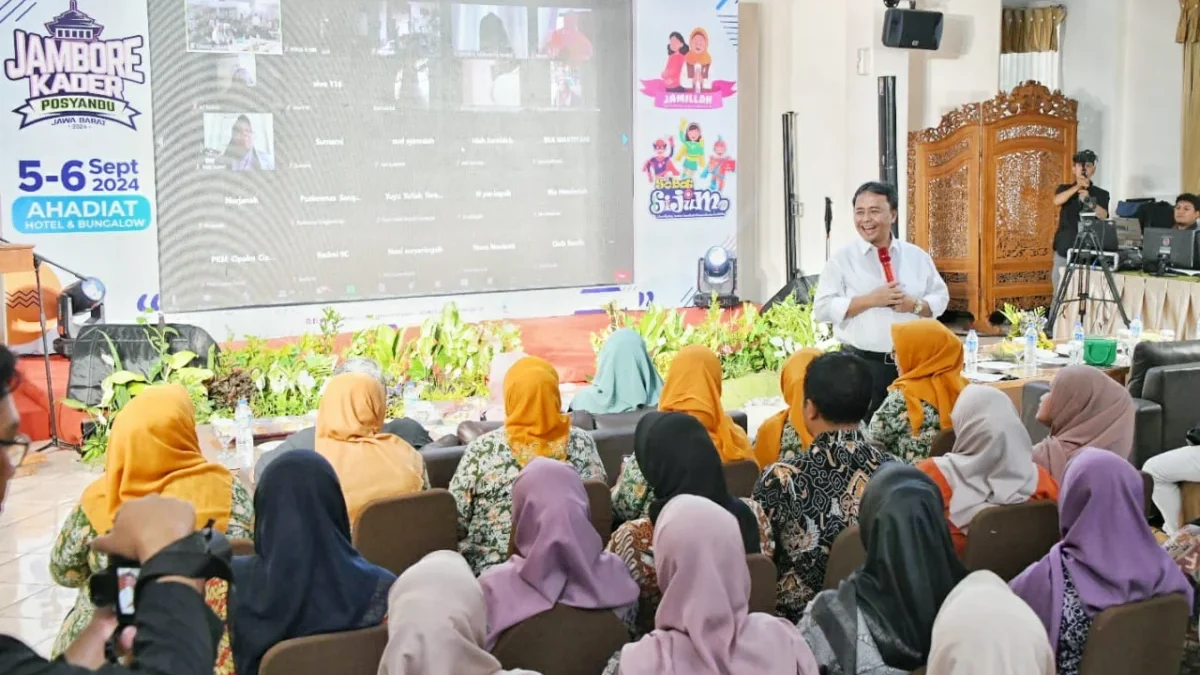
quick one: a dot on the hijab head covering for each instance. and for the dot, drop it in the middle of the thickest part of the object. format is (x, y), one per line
(992, 461)
(370, 465)
(677, 457)
(533, 419)
(153, 449)
(985, 629)
(791, 381)
(437, 621)
(1087, 409)
(305, 578)
(911, 565)
(930, 359)
(625, 377)
(693, 386)
(699, 57)
(704, 625)
(1106, 546)
(501, 364)
(559, 556)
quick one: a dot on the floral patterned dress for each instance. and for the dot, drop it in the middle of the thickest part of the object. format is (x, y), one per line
(72, 564)
(810, 498)
(891, 429)
(482, 488)
(634, 542)
(1072, 631)
(790, 444)
(1184, 549)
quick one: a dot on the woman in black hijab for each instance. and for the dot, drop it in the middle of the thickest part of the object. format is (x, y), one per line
(305, 578)
(880, 620)
(677, 457)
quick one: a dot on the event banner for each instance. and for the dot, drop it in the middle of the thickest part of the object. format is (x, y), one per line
(77, 159)
(685, 134)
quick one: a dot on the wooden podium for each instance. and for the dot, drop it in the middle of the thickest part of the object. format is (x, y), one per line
(980, 197)
(13, 258)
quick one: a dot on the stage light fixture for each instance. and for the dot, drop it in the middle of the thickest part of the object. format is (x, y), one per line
(716, 273)
(83, 298)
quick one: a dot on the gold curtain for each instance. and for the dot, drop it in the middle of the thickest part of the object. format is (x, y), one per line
(1031, 30)
(1189, 36)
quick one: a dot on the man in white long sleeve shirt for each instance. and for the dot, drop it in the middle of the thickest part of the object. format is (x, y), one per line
(854, 293)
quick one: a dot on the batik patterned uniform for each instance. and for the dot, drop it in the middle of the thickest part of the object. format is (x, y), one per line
(892, 430)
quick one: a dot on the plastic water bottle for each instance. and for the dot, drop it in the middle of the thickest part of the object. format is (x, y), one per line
(243, 419)
(1030, 364)
(1078, 337)
(1135, 329)
(971, 353)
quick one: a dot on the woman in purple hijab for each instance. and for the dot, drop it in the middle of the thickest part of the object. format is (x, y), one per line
(1107, 556)
(558, 556)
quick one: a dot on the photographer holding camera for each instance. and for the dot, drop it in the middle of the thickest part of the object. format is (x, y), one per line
(173, 631)
(1074, 199)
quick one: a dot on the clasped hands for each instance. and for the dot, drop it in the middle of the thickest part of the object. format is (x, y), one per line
(891, 295)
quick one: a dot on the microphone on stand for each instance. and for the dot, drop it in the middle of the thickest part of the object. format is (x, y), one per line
(885, 259)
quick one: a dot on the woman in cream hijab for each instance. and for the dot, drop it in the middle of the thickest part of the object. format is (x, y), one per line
(983, 628)
(370, 465)
(437, 622)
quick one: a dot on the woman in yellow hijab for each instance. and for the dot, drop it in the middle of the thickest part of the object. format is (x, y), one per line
(785, 434)
(152, 449)
(929, 358)
(370, 465)
(693, 386)
(534, 426)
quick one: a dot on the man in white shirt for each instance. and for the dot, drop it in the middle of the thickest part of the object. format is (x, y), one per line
(854, 293)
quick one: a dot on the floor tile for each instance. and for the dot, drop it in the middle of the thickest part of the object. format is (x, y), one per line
(30, 535)
(11, 594)
(31, 568)
(49, 603)
(31, 631)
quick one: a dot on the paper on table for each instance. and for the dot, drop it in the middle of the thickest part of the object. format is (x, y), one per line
(983, 377)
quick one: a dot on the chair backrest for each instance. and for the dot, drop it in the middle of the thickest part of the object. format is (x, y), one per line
(562, 641)
(441, 462)
(600, 506)
(242, 546)
(1007, 539)
(1142, 637)
(762, 583)
(740, 477)
(943, 443)
(846, 555)
(1148, 487)
(625, 420)
(395, 533)
(355, 652)
(613, 445)
(740, 418)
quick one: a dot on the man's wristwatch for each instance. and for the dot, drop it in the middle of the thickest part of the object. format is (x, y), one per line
(918, 307)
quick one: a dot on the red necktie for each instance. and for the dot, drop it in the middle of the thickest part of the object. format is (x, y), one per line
(885, 259)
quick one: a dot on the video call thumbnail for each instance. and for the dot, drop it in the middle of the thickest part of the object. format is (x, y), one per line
(390, 148)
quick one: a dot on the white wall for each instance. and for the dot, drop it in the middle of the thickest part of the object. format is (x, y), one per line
(808, 55)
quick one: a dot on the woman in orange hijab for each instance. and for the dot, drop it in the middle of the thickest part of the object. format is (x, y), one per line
(929, 358)
(152, 449)
(693, 386)
(370, 465)
(784, 434)
(534, 426)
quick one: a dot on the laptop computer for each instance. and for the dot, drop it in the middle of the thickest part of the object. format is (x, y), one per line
(1178, 245)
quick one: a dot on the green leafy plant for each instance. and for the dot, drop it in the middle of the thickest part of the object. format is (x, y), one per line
(449, 358)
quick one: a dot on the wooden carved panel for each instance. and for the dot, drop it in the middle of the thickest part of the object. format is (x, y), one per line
(1029, 131)
(954, 277)
(1025, 302)
(1026, 277)
(948, 199)
(1030, 98)
(1025, 214)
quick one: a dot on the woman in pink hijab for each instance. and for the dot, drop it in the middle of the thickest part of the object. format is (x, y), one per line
(1084, 408)
(501, 363)
(558, 555)
(704, 625)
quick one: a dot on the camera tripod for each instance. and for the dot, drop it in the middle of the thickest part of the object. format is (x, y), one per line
(1086, 243)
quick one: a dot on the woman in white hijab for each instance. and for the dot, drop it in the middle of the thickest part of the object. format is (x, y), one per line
(983, 628)
(437, 622)
(991, 463)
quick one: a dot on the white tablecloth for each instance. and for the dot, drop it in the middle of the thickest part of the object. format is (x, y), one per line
(1162, 303)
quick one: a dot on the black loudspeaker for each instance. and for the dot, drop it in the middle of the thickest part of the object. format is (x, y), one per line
(912, 29)
(888, 169)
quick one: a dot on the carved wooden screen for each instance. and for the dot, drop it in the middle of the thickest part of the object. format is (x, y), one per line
(981, 189)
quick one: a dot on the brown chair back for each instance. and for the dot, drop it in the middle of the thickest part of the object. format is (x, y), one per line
(356, 652)
(395, 533)
(1007, 539)
(613, 446)
(562, 641)
(1141, 637)
(846, 555)
(943, 443)
(242, 546)
(762, 583)
(740, 477)
(600, 507)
